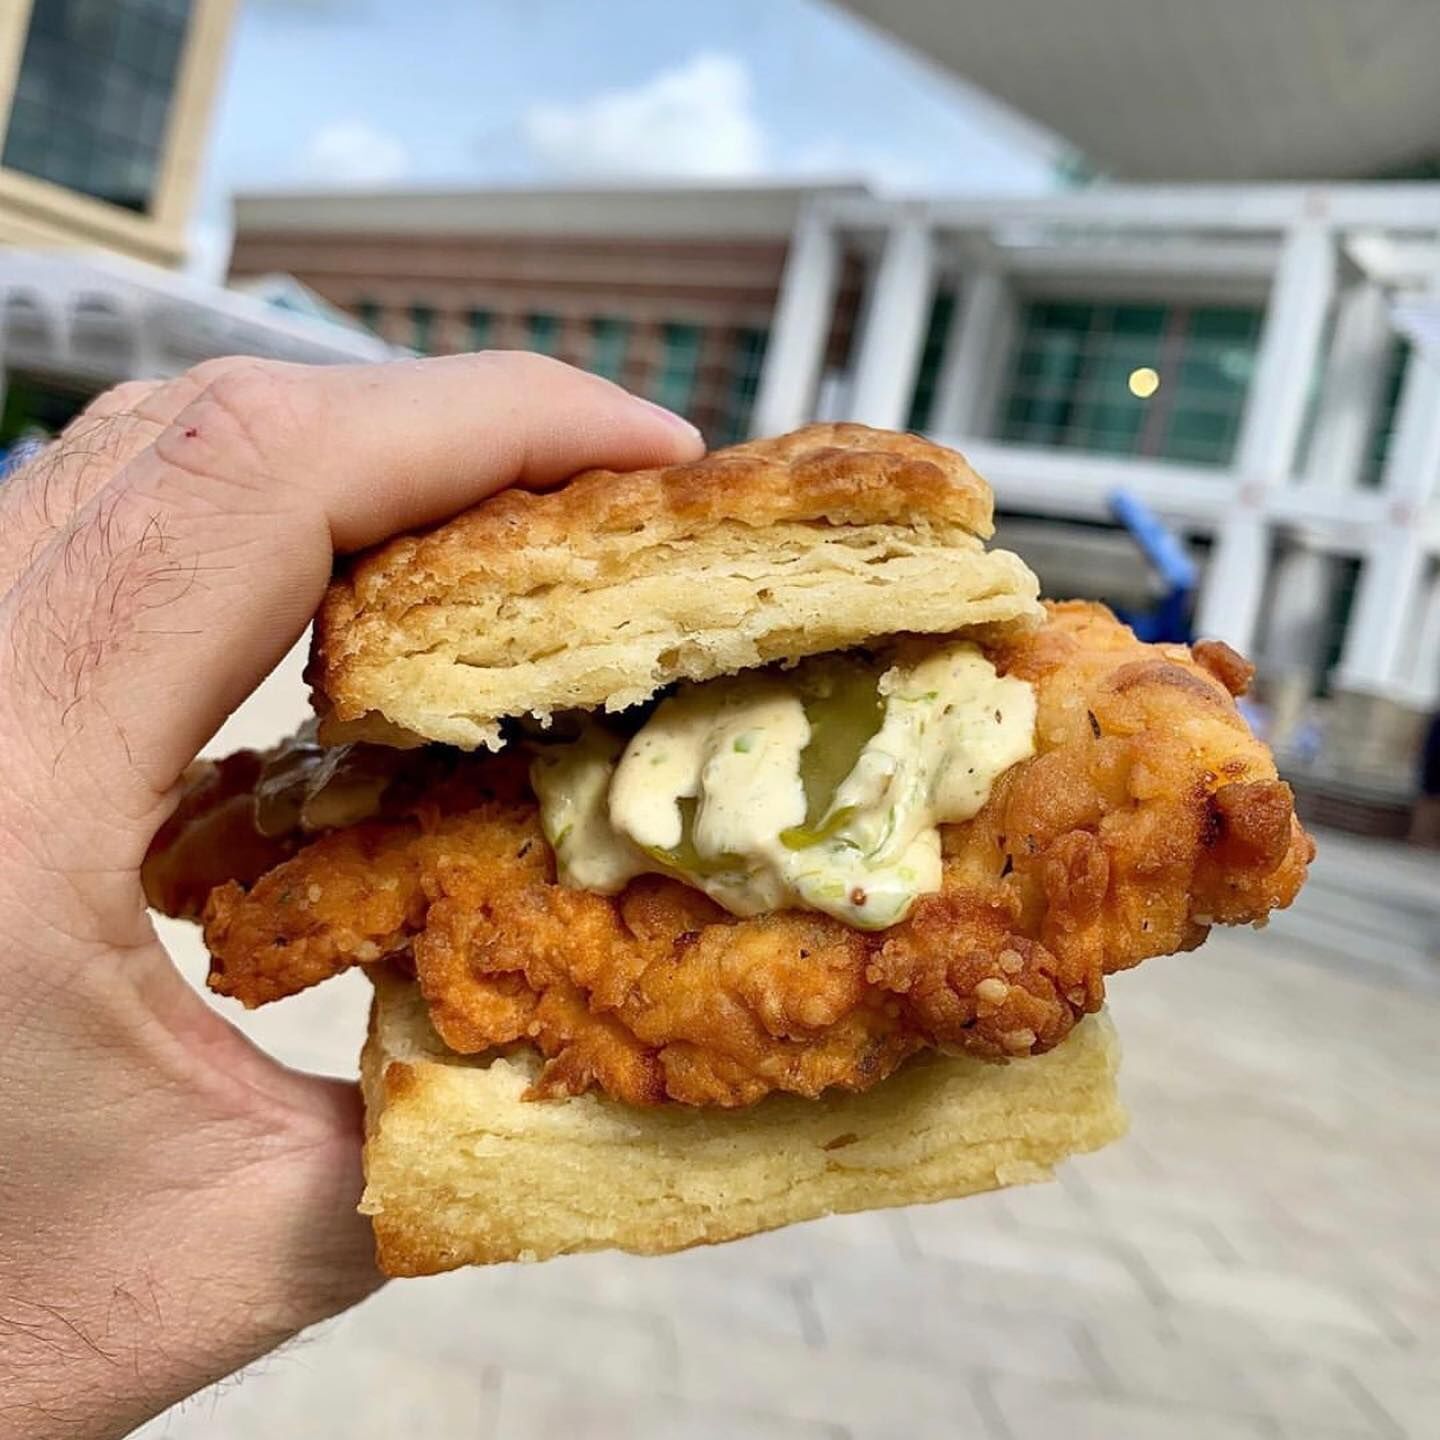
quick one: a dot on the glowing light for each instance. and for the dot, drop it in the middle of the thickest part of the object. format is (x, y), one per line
(1143, 382)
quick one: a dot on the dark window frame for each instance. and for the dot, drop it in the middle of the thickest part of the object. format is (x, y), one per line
(94, 97)
(1066, 383)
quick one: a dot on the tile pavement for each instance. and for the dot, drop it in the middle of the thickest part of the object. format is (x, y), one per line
(1258, 1260)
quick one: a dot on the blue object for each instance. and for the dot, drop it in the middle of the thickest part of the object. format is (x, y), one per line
(21, 451)
(1169, 620)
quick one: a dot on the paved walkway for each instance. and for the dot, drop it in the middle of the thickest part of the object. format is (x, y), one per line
(1259, 1259)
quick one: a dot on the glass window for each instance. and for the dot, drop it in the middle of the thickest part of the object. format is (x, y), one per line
(93, 96)
(1081, 378)
(1378, 450)
(422, 328)
(35, 404)
(1346, 572)
(481, 326)
(610, 339)
(675, 379)
(922, 402)
(746, 361)
(369, 313)
(544, 333)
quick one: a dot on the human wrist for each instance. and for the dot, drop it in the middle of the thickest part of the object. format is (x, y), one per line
(164, 1217)
(123, 1305)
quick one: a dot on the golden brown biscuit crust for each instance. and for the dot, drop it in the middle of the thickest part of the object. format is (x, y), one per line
(612, 586)
(842, 474)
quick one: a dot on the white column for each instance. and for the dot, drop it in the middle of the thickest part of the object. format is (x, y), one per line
(1236, 575)
(145, 360)
(796, 349)
(1295, 624)
(977, 350)
(1423, 680)
(1345, 419)
(1270, 433)
(894, 335)
(1350, 393)
(1386, 606)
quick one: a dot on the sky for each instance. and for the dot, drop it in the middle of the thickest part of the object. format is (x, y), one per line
(366, 93)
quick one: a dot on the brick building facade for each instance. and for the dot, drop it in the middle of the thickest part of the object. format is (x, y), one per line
(670, 292)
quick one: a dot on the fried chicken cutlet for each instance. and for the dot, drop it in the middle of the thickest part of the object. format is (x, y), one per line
(1147, 814)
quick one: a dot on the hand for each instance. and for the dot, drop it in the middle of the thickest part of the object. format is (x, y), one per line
(174, 1203)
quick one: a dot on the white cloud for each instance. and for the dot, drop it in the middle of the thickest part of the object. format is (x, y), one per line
(889, 170)
(353, 152)
(697, 119)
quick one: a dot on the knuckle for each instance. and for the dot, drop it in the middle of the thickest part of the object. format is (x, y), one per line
(208, 372)
(525, 366)
(547, 367)
(239, 426)
(248, 394)
(117, 400)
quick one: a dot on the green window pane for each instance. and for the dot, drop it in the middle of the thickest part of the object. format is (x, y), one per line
(1038, 399)
(1017, 418)
(369, 313)
(675, 380)
(1378, 449)
(1337, 622)
(481, 326)
(1120, 354)
(422, 328)
(1139, 319)
(1207, 391)
(1201, 437)
(1060, 315)
(544, 332)
(922, 402)
(1070, 383)
(609, 341)
(1224, 322)
(746, 361)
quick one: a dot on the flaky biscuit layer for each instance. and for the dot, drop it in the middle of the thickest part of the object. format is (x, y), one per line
(602, 592)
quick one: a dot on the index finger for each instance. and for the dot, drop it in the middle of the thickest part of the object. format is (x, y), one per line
(183, 581)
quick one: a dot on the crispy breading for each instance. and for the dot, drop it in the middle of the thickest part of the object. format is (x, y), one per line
(606, 590)
(1148, 814)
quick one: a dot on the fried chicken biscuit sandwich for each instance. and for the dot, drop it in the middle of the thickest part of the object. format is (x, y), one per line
(728, 844)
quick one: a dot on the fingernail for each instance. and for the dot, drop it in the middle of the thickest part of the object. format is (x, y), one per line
(678, 421)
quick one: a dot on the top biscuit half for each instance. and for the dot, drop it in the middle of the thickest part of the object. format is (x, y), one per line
(600, 593)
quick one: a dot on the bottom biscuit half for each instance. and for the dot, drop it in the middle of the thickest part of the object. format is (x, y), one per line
(461, 1170)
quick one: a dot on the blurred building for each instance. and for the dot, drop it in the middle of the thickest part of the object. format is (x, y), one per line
(1225, 353)
(105, 107)
(667, 289)
(104, 110)
(1325, 556)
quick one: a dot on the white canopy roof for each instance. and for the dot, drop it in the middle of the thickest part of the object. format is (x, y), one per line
(102, 318)
(1219, 90)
